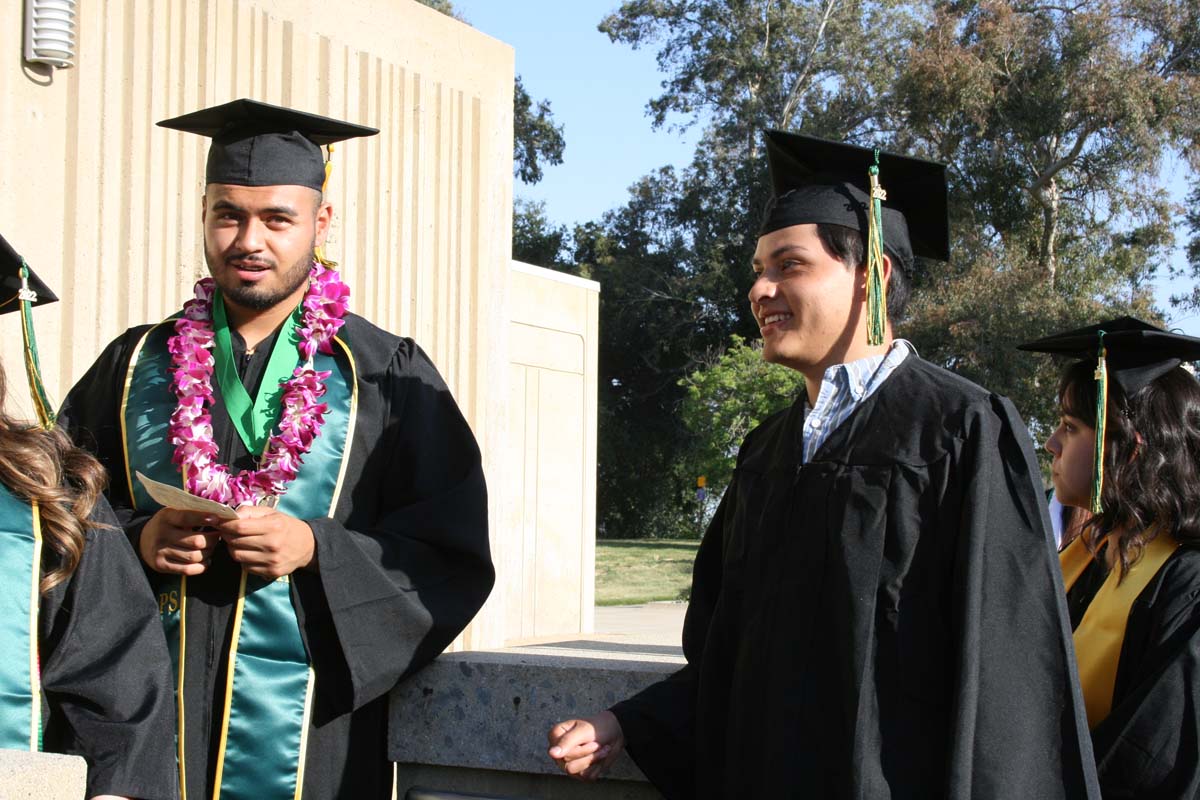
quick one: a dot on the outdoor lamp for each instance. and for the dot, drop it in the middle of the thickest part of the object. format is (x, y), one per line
(50, 32)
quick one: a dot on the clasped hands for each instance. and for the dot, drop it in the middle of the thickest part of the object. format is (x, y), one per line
(265, 541)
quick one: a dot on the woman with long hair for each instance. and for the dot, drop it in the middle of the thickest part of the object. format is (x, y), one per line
(1126, 453)
(85, 669)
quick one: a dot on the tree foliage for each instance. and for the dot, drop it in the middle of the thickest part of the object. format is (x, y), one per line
(726, 399)
(536, 139)
(536, 240)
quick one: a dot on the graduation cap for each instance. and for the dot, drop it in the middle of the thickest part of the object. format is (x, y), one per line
(817, 181)
(1127, 351)
(259, 144)
(20, 290)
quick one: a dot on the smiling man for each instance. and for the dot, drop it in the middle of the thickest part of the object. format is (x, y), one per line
(875, 609)
(359, 548)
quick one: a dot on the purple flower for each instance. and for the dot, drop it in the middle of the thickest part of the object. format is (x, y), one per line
(302, 415)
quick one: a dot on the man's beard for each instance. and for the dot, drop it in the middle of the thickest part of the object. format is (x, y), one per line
(259, 298)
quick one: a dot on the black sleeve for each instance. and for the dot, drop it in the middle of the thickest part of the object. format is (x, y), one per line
(1149, 745)
(91, 416)
(399, 587)
(659, 723)
(1019, 725)
(106, 672)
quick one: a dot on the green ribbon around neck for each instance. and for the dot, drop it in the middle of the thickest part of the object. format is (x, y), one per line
(255, 418)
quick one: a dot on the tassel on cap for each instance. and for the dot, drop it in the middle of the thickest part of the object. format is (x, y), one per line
(1101, 425)
(33, 369)
(319, 252)
(876, 287)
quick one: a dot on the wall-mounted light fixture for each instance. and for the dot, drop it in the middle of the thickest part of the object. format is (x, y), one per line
(50, 32)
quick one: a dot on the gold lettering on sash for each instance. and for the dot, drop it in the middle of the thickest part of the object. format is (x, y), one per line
(168, 602)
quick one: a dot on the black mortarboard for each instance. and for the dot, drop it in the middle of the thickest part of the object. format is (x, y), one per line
(21, 293)
(10, 281)
(1126, 351)
(258, 144)
(1137, 352)
(819, 181)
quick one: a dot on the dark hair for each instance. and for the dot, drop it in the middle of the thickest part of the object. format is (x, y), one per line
(846, 245)
(1151, 458)
(45, 467)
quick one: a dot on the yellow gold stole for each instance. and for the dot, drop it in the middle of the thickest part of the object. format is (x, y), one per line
(1101, 632)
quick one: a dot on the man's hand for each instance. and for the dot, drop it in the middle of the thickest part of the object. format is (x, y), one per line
(172, 542)
(585, 748)
(269, 543)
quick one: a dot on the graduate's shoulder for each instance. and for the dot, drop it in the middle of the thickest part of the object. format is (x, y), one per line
(1176, 588)
(771, 439)
(377, 351)
(940, 386)
(111, 361)
(932, 393)
(128, 340)
(923, 413)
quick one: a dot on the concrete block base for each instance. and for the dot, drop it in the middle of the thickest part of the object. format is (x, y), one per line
(477, 721)
(41, 776)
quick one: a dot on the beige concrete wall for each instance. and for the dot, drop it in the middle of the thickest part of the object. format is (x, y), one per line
(105, 206)
(551, 567)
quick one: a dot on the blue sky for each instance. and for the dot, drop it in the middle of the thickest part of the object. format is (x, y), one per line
(598, 91)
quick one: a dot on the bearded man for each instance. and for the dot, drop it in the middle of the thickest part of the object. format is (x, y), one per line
(360, 546)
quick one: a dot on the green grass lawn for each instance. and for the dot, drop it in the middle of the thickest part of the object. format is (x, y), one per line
(631, 571)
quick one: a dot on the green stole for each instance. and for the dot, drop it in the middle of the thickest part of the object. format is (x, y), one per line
(20, 684)
(269, 684)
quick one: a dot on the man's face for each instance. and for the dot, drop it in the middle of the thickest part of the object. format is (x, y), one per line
(807, 303)
(259, 240)
(1073, 445)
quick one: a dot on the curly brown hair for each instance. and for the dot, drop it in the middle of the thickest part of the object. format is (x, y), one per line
(43, 466)
(1151, 459)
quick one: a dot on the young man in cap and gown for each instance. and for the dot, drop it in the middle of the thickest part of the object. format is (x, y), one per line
(85, 668)
(875, 608)
(360, 548)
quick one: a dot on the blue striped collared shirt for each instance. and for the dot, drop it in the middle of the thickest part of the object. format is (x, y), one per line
(843, 389)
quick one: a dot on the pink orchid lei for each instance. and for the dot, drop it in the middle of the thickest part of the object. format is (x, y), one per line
(302, 414)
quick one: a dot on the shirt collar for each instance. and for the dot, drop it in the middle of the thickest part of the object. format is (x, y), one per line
(855, 376)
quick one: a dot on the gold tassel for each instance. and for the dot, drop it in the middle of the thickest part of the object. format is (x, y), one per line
(319, 252)
(876, 287)
(1101, 426)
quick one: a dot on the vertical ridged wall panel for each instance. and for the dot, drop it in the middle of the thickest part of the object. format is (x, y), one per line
(106, 206)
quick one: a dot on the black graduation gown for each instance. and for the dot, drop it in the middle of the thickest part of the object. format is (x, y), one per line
(107, 693)
(403, 566)
(1148, 747)
(885, 621)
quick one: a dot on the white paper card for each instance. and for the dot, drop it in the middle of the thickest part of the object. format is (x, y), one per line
(173, 497)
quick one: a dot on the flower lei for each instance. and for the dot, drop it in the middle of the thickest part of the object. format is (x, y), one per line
(300, 419)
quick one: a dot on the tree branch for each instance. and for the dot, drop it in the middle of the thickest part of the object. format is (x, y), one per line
(801, 82)
(1048, 174)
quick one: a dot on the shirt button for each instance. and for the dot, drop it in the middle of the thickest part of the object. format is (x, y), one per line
(816, 423)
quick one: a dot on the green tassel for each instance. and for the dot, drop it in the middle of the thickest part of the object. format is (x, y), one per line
(876, 287)
(33, 368)
(1101, 425)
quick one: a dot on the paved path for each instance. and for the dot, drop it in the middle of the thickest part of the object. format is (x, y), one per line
(652, 623)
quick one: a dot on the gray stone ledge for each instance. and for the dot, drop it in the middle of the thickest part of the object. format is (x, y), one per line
(41, 776)
(517, 785)
(490, 710)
